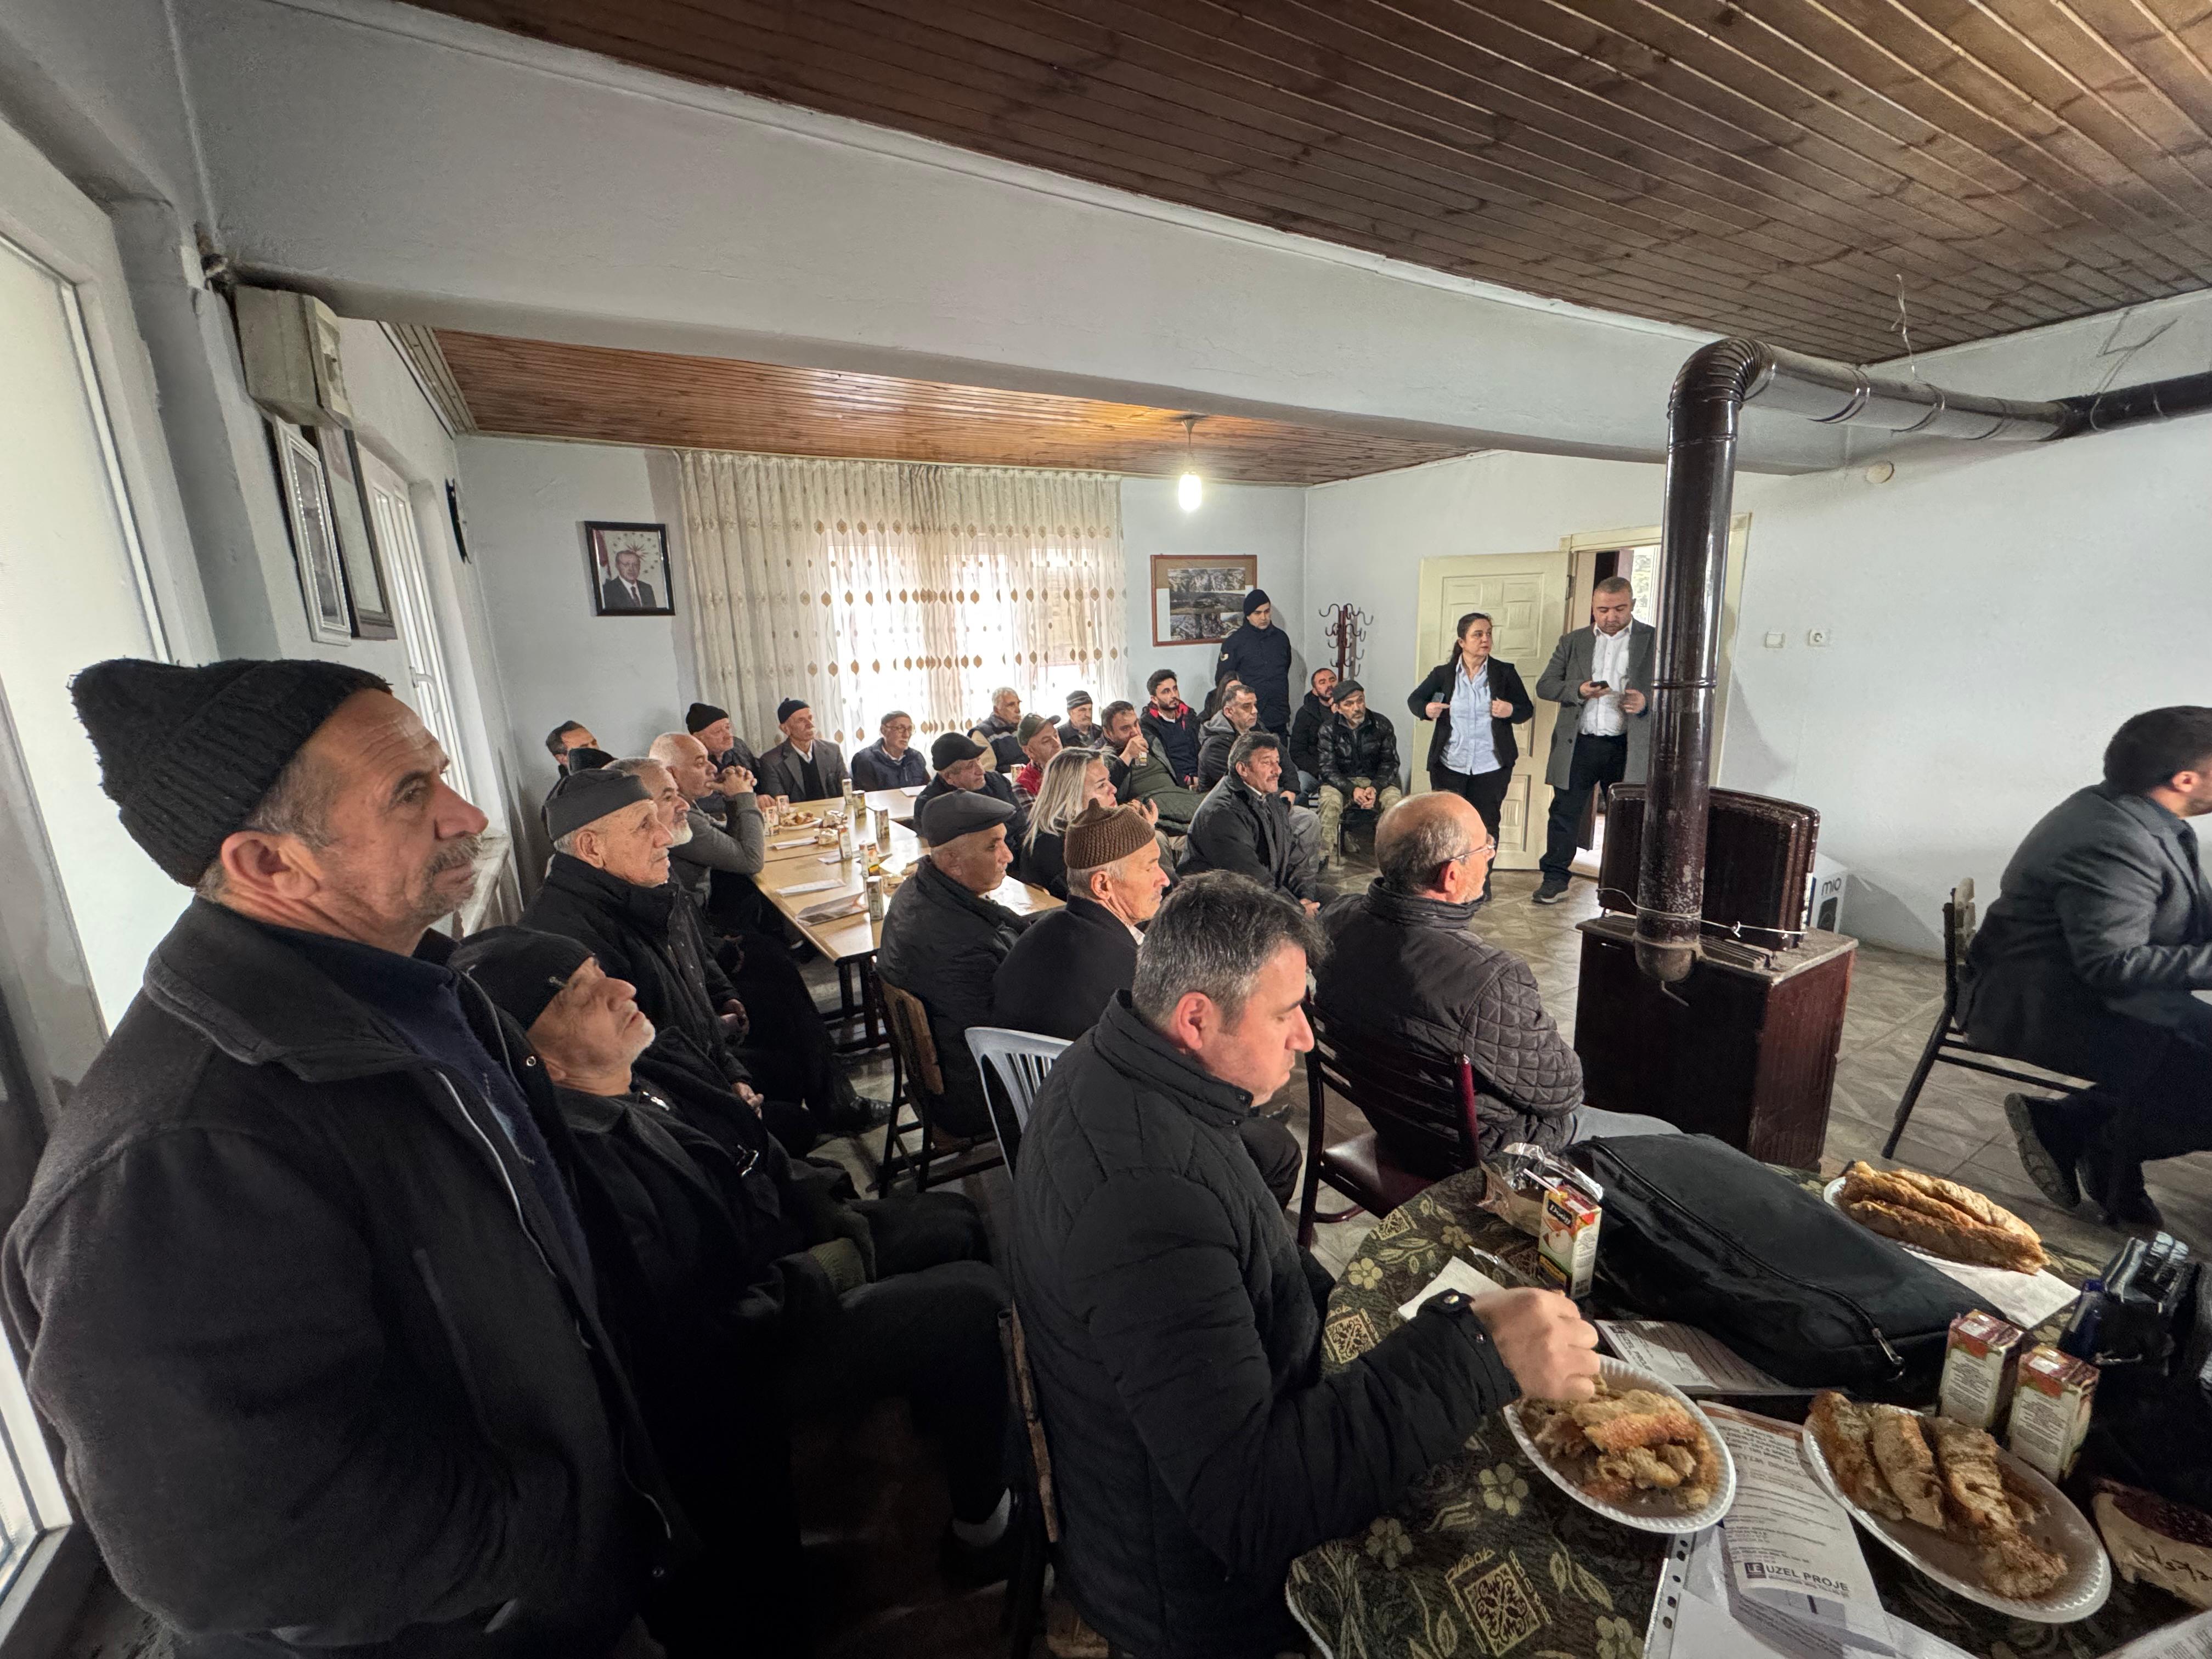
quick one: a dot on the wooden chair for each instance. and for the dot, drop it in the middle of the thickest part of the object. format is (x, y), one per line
(1946, 1043)
(1427, 1105)
(917, 1083)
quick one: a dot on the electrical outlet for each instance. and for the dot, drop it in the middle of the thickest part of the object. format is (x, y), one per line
(1776, 642)
(1817, 637)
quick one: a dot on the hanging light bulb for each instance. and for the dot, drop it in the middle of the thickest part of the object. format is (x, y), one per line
(1190, 489)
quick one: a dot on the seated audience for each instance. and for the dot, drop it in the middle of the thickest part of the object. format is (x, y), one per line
(1239, 713)
(1404, 970)
(1040, 741)
(1175, 1329)
(1304, 746)
(714, 729)
(1075, 778)
(1171, 725)
(1079, 730)
(1358, 764)
(960, 766)
(782, 1040)
(742, 1289)
(1244, 825)
(997, 731)
(892, 762)
(2087, 963)
(308, 1171)
(943, 939)
(1067, 969)
(803, 766)
(732, 843)
(608, 889)
(1140, 776)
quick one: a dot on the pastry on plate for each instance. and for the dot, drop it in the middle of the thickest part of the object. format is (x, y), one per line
(1624, 1447)
(1900, 1452)
(1940, 1217)
(1841, 1429)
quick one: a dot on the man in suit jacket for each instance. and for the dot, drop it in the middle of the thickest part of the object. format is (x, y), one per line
(1062, 974)
(622, 591)
(2086, 964)
(803, 766)
(1601, 675)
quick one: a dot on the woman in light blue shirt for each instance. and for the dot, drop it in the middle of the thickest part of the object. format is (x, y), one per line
(1475, 700)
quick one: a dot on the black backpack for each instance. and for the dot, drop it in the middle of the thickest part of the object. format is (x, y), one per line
(1699, 1233)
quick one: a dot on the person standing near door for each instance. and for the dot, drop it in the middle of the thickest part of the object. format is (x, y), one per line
(1259, 654)
(1601, 675)
(1475, 700)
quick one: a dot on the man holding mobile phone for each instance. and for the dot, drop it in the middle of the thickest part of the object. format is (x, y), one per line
(1601, 675)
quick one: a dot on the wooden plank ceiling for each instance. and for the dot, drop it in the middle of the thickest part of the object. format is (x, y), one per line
(1775, 167)
(539, 389)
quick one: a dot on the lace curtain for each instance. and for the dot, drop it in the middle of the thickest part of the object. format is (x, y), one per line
(864, 587)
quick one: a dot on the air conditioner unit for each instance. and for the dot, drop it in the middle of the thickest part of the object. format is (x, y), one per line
(289, 343)
(1824, 894)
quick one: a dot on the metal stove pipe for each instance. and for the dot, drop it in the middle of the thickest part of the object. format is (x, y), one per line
(1709, 395)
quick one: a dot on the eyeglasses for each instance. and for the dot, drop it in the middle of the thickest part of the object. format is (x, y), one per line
(1474, 851)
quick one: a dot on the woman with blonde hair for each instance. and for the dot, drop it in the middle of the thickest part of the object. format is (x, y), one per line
(1073, 780)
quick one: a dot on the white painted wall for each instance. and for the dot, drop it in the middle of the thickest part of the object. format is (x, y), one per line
(1266, 520)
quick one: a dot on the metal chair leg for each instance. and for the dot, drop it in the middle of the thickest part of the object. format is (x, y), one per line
(1928, 1058)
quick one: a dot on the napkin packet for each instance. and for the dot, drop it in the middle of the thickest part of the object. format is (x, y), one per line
(1555, 1203)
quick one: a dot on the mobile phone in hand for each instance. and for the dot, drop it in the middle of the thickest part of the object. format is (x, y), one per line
(1602, 685)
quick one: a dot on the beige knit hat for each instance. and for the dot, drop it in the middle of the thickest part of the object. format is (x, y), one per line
(1104, 835)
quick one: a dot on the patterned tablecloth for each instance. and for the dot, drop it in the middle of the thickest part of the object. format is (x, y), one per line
(1488, 1559)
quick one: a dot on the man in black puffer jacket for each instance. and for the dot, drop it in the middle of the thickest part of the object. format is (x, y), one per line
(1404, 971)
(1358, 764)
(1175, 1329)
(1305, 729)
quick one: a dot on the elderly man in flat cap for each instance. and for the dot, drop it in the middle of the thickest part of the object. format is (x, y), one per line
(943, 938)
(960, 763)
(803, 766)
(300, 1281)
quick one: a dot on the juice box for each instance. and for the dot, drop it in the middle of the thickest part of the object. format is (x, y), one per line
(2050, 1409)
(1566, 1237)
(1981, 1368)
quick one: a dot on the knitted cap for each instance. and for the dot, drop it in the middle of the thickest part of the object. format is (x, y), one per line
(1078, 700)
(1104, 835)
(701, 716)
(789, 706)
(1255, 599)
(186, 754)
(583, 797)
(520, 969)
(950, 749)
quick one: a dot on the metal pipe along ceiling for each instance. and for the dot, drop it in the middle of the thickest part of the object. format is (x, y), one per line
(1709, 393)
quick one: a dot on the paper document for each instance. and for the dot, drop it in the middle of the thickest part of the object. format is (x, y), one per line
(2027, 1299)
(1695, 1616)
(1457, 1275)
(2189, 1639)
(1790, 1545)
(786, 846)
(822, 886)
(1687, 1358)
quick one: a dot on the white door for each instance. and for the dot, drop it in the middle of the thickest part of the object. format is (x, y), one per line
(429, 691)
(1523, 594)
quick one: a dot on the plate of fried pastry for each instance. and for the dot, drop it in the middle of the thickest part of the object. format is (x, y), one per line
(1936, 1217)
(1640, 1453)
(1960, 1508)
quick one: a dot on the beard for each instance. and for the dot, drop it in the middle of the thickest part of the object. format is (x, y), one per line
(683, 832)
(433, 897)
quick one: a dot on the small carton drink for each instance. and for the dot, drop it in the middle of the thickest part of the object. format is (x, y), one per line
(2051, 1410)
(1566, 1237)
(1981, 1368)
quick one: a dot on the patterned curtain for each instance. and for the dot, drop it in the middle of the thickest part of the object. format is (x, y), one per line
(864, 587)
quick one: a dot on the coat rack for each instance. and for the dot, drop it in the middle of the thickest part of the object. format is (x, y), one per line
(1348, 626)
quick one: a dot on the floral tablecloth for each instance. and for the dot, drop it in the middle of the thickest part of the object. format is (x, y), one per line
(1487, 1557)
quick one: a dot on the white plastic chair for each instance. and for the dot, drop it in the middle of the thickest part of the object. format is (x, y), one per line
(1019, 1059)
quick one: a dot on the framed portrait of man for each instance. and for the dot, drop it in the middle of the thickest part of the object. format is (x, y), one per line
(627, 564)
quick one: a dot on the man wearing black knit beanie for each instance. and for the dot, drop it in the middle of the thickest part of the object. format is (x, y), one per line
(302, 1252)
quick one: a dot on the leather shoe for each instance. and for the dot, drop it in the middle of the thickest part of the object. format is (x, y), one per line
(2046, 1153)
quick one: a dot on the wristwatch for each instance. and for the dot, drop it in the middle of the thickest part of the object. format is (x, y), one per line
(1457, 1305)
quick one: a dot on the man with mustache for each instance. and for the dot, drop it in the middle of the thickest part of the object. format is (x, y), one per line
(299, 1246)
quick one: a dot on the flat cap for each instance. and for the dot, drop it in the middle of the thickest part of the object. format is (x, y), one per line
(583, 797)
(1349, 689)
(958, 812)
(950, 749)
(520, 969)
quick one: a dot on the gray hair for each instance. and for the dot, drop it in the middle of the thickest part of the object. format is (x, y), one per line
(1410, 861)
(634, 764)
(1213, 934)
(1250, 743)
(895, 715)
(1060, 796)
(297, 804)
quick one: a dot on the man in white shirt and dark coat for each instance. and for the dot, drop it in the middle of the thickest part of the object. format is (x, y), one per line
(1601, 677)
